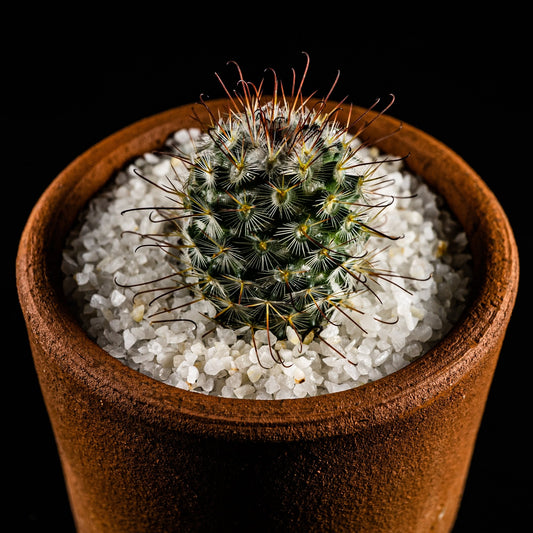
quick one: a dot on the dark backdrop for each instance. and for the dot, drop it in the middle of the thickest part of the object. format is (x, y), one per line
(69, 82)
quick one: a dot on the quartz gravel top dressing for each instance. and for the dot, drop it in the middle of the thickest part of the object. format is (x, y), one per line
(105, 267)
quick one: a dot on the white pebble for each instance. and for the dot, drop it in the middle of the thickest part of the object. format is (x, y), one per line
(213, 366)
(98, 301)
(82, 278)
(272, 385)
(422, 333)
(137, 313)
(129, 339)
(234, 380)
(117, 298)
(254, 373)
(292, 336)
(352, 371)
(330, 331)
(192, 375)
(244, 390)
(382, 357)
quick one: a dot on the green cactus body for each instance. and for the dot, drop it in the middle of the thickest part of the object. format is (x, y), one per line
(275, 214)
(278, 217)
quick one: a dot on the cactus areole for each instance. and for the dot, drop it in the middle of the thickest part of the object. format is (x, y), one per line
(273, 220)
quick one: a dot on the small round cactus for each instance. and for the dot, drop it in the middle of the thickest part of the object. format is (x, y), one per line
(275, 214)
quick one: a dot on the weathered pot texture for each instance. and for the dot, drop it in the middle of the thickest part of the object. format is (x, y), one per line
(141, 456)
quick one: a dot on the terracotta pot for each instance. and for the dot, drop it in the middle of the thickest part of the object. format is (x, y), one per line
(141, 456)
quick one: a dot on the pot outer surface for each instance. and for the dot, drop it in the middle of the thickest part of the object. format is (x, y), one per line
(389, 456)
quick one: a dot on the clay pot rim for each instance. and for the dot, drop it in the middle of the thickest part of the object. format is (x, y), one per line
(47, 314)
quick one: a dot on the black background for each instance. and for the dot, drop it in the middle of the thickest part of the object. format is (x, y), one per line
(69, 80)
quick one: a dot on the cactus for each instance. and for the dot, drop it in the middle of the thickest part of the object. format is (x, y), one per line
(276, 213)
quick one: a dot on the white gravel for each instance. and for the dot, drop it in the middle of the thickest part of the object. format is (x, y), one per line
(209, 359)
